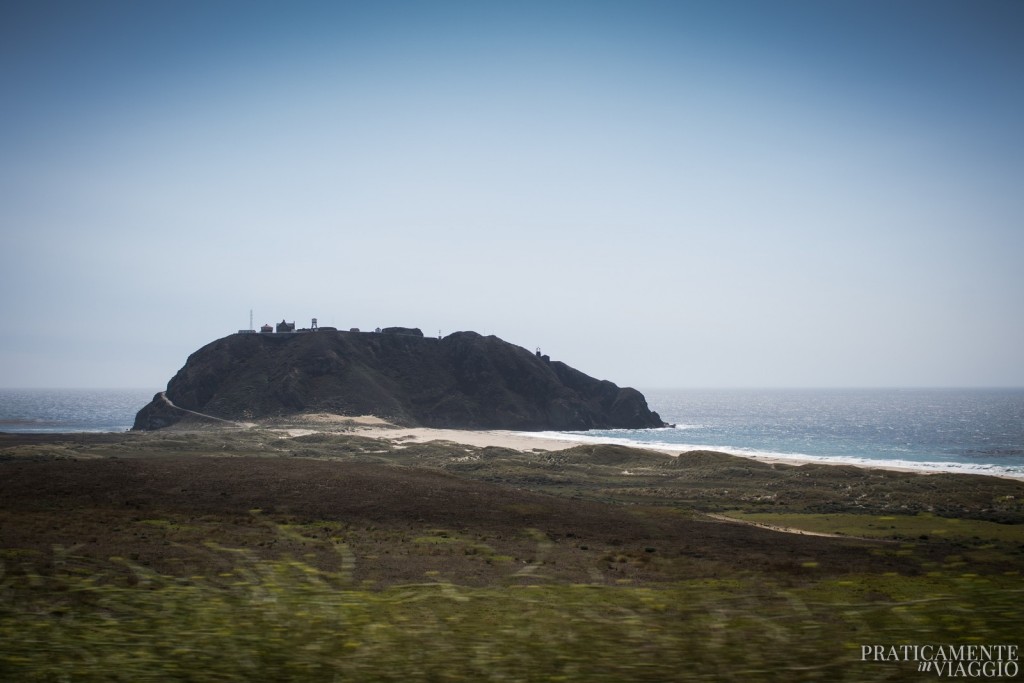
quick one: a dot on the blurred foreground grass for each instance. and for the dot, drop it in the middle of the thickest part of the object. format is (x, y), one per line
(287, 621)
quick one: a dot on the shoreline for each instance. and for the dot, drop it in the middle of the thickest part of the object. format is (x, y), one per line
(377, 428)
(543, 441)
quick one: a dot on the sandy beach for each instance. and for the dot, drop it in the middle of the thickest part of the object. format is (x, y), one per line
(376, 428)
(291, 516)
(480, 438)
(523, 442)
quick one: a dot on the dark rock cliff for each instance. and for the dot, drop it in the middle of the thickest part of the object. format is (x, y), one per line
(464, 380)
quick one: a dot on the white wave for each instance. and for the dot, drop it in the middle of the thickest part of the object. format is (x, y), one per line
(1015, 472)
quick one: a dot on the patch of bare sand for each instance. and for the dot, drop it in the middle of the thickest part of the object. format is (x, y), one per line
(375, 427)
(520, 441)
(296, 432)
(480, 438)
(345, 420)
(379, 428)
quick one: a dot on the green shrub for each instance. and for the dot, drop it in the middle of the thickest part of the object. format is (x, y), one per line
(284, 620)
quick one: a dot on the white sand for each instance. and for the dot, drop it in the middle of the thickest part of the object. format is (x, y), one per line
(522, 442)
(519, 441)
(375, 427)
(480, 438)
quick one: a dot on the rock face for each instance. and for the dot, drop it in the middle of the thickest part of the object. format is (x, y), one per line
(464, 380)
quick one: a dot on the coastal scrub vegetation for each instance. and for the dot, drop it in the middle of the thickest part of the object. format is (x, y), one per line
(288, 620)
(252, 555)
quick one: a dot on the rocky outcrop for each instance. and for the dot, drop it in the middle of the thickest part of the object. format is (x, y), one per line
(464, 380)
(413, 331)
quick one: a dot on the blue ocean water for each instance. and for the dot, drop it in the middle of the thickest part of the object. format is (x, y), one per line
(70, 410)
(966, 430)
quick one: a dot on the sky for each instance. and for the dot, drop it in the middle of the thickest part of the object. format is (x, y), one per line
(762, 193)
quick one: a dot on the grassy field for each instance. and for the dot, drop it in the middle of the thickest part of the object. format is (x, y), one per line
(249, 557)
(286, 620)
(921, 526)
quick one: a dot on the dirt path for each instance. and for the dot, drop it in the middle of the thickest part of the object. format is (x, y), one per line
(784, 529)
(163, 396)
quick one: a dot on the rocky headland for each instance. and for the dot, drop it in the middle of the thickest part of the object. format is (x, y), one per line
(464, 380)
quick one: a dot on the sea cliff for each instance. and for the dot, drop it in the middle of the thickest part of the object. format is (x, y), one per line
(464, 380)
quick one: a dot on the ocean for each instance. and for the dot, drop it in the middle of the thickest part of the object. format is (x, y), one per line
(960, 430)
(71, 410)
(955, 430)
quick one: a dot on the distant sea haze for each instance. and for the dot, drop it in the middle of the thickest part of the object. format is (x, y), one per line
(964, 430)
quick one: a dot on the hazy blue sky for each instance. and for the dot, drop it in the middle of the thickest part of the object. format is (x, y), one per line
(658, 193)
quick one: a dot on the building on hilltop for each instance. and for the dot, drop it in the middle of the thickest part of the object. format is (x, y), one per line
(250, 330)
(285, 327)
